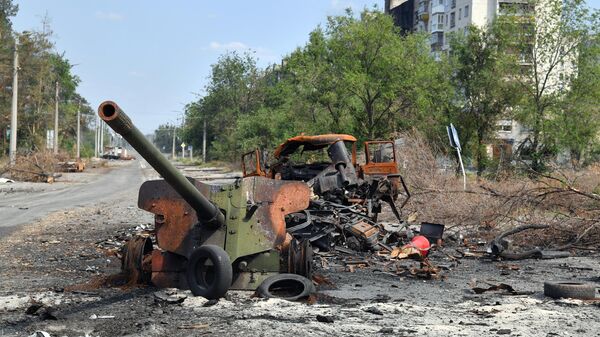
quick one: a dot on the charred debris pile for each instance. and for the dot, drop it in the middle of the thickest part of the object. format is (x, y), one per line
(348, 198)
(42, 166)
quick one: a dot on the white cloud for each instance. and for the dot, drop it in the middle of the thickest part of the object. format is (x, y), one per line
(109, 16)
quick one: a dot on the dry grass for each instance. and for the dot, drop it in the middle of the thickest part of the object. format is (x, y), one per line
(567, 201)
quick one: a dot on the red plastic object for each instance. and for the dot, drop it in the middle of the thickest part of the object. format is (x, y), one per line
(421, 244)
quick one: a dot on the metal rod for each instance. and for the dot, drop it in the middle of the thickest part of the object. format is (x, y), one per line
(462, 168)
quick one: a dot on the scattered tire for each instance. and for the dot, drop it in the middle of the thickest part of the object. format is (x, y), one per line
(575, 290)
(289, 287)
(209, 272)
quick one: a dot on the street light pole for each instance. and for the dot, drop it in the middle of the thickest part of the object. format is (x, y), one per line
(13, 116)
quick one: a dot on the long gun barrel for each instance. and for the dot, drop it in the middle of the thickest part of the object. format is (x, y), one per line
(206, 211)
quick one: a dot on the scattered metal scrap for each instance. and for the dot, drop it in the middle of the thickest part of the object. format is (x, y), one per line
(508, 289)
(71, 166)
(346, 199)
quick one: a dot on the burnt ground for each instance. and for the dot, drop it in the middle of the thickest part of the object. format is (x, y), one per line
(54, 273)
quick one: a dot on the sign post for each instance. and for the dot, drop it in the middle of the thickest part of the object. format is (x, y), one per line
(455, 143)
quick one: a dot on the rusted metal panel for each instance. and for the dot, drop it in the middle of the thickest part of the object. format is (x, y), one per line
(252, 165)
(168, 270)
(365, 232)
(379, 164)
(310, 143)
(175, 217)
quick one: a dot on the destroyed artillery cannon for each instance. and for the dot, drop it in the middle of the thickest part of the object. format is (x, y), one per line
(210, 238)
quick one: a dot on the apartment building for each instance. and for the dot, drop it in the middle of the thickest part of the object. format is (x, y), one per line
(440, 18)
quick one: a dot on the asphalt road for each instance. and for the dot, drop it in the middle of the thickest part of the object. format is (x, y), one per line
(25, 206)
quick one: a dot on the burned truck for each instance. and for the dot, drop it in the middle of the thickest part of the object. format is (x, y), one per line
(211, 238)
(346, 197)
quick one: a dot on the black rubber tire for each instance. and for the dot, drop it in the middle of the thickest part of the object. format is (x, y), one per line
(575, 290)
(304, 287)
(214, 283)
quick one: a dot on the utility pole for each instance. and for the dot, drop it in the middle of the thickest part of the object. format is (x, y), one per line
(96, 137)
(13, 116)
(182, 142)
(204, 142)
(173, 152)
(79, 130)
(101, 143)
(56, 120)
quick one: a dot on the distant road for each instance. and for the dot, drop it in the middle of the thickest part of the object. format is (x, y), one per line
(24, 207)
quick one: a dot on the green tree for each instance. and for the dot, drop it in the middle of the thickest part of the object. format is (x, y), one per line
(234, 91)
(548, 35)
(7, 43)
(482, 75)
(163, 138)
(371, 80)
(40, 68)
(578, 119)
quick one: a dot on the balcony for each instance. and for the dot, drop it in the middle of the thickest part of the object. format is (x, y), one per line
(437, 27)
(437, 39)
(438, 9)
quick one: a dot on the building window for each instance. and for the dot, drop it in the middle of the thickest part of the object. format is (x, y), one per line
(459, 13)
(441, 2)
(452, 20)
(505, 128)
(446, 18)
(452, 4)
(466, 11)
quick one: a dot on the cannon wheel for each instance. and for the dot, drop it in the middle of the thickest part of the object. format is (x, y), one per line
(209, 272)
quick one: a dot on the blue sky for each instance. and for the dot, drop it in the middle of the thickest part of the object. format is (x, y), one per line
(152, 57)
